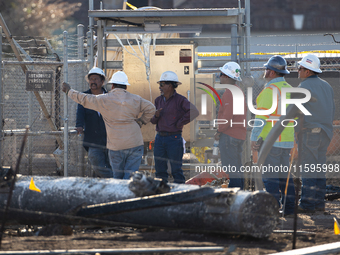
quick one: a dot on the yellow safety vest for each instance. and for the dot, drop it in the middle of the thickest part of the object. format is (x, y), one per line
(264, 101)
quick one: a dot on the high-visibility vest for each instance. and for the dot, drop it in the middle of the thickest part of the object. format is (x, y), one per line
(264, 101)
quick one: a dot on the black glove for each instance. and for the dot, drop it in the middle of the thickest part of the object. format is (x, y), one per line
(139, 122)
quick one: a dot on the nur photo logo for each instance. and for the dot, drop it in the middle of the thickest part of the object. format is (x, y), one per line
(281, 100)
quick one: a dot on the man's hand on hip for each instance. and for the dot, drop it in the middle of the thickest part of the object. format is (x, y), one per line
(139, 122)
(217, 136)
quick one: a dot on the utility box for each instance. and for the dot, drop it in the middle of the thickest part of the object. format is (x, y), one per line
(177, 58)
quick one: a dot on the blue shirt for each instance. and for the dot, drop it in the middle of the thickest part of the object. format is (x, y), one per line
(93, 125)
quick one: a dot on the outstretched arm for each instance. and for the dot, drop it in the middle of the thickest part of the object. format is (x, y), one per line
(65, 87)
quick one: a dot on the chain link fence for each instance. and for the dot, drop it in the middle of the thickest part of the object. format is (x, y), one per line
(43, 154)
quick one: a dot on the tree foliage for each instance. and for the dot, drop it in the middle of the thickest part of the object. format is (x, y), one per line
(40, 17)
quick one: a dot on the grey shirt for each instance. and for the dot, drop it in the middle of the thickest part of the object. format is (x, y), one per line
(323, 108)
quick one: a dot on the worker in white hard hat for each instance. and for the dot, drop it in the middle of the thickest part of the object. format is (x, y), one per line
(232, 134)
(120, 110)
(173, 112)
(278, 157)
(90, 123)
(315, 132)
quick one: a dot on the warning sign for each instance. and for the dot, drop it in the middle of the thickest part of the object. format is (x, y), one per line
(39, 80)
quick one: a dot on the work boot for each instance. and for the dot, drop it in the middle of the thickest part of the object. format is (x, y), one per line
(320, 209)
(301, 210)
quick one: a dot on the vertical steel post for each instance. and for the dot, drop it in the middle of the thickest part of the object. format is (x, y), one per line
(247, 7)
(81, 52)
(80, 32)
(88, 48)
(100, 42)
(1, 99)
(29, 138)
(105, 54)
(234, 42)
(30, 121)
(192, 99)
(65, 72)
(242, 53)
(91, 24)
(247, 75)
(81, 159)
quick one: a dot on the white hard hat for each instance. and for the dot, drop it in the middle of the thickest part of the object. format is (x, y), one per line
(95, 70)
(233, 70)
(311, 62)
(119, 78)
(169, 76)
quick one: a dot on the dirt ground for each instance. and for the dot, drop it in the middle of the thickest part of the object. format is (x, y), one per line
(314, 229)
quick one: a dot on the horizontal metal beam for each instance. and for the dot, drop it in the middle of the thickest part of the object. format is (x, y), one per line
(163, 29)
(170, 16)
(209, 70)
(21, 132)
(292, 68)
(115, 65)
(70, 62)
(199, 41)
(211, 63)
(253, 60)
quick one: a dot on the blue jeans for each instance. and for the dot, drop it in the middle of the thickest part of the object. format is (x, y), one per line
(100, 162)
(314, 149)
(275, 181)
(169, 148)
(231, 154)
(125, 162)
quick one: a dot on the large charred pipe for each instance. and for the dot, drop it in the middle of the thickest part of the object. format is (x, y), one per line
(231, 211)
